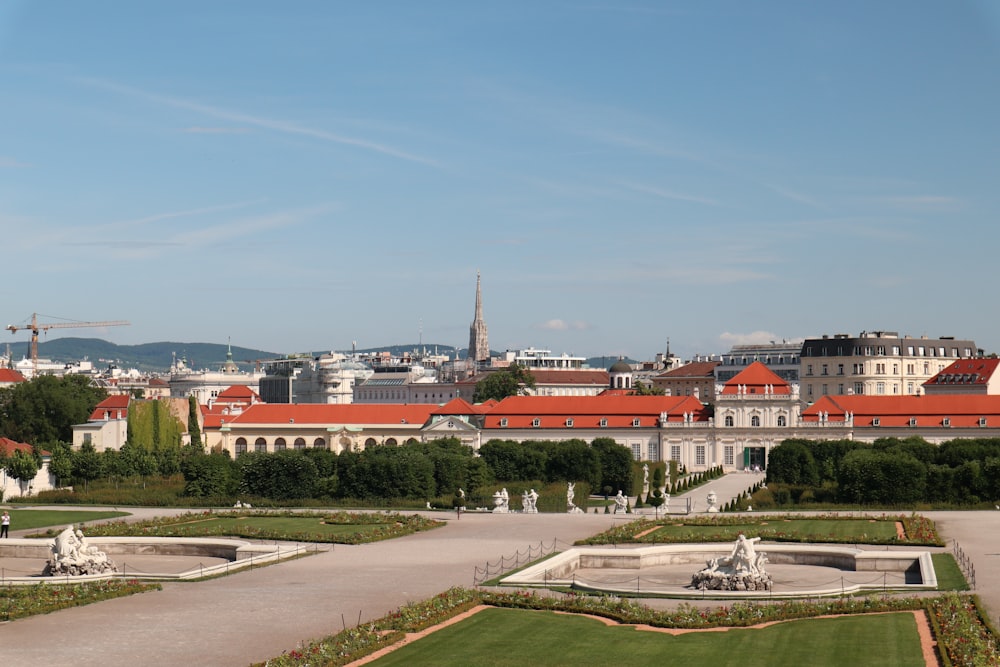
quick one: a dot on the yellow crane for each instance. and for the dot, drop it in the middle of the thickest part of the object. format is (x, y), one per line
(36, 326)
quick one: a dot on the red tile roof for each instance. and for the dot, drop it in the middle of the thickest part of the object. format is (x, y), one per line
(8, 376)
(962, 411)
(112, 407)
(459, 406)
(696, 369)
(967, 372)
(237, 393)
(8, 447)
(588, 411)
(756, 378)
(351, 413)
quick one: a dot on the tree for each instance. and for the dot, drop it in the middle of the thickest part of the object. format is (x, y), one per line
(87, 463)
(616, 464)
(60, 462)
(642, 389)
(194, 430)
(23, 467)
(45, 408)
(515, 380)
(791, 462)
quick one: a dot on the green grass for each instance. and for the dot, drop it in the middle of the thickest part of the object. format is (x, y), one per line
(29, 519)
(500, 637)
(949, 575)
(335, 527)
(289, 525)
(843, 530)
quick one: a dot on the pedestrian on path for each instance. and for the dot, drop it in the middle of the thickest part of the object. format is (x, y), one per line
(4, 524)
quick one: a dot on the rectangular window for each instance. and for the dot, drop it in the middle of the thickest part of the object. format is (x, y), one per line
(86, 437)
(675, 452)
(876, 421)
(824, 372)
(699, 455)
(637, 451)
(927, 368)
(503, 422)
(859, 369)
(880, 388)
(879, 369)
(809, 369)
(840, 389)
(825, 391)
(840, 369)
(604, 423)
(909, 387)
(895, 369)
(727, 455)
(946, 422)
(652, 452)
(982, 421)
(859, 388)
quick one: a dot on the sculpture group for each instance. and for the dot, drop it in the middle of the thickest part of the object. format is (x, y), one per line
(742, 570)
(72, 555)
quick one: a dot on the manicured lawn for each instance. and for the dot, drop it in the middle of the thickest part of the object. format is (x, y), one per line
(861, 530)
(291, 525)
(499, 637)
(25, 519)
(949, 575)
(336, 527)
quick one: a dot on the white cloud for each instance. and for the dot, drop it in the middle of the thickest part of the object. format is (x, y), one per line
(563, 325)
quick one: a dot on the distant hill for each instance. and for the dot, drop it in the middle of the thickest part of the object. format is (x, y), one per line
(155, 357)
(146, 357)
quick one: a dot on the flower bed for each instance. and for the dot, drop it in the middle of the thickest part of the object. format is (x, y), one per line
(23, 601)
(918, 530)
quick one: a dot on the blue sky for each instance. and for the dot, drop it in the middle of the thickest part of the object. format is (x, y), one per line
(298, 176)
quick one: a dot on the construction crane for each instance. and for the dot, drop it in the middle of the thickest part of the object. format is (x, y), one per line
(35, 327)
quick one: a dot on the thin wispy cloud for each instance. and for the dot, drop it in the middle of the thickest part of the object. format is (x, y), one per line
(214, 130)
(921, 202)
(794, 196)
(669, 194)
(7, 162)
(82, 234)
(273, 124)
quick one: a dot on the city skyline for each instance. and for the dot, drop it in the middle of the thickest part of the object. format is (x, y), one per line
(300, 178)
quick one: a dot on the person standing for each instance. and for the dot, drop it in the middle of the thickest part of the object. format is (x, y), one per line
(4, 524)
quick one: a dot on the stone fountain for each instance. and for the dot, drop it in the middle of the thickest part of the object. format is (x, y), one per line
(742, 570)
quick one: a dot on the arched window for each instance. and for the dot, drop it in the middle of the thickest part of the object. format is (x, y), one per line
(755, 420)
(729, 420)
(260, 445)
(319, 443)
(782, 421)
(279, 445)
(241, 446)
(300, 443)
(391, 442)
(370, 442)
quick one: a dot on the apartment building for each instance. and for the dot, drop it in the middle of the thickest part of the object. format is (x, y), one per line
(875, 363)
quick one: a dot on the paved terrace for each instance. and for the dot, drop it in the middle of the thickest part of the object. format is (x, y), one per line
(255, 615)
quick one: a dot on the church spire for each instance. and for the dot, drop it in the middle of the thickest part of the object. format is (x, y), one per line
(479, 347)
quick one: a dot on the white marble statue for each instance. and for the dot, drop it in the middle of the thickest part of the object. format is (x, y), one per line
(621, 503)
(742, 570)
(645, 479)
(501, 502)
(713, 500)
(570, 495)
(532, 502)
(71, 554)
